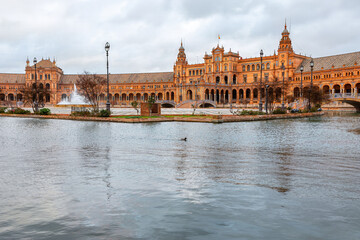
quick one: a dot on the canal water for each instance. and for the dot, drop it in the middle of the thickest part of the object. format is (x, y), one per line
(280, 179)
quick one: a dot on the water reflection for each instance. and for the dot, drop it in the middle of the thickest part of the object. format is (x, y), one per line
(280, 179)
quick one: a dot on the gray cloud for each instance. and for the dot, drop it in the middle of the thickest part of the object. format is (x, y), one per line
(145, 35)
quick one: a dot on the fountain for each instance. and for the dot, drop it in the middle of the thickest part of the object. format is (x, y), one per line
(75, 101)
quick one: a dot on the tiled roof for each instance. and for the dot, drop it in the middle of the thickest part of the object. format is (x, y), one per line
(326, 63)
(126, 78)
(45, 64)
(12, 78)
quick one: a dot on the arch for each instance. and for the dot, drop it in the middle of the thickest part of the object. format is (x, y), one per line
(234, 94)
(64, 97)
(172, 96)
(189, 95)
(41, 86)
(248, 93)
(207, 94)
(167, 96)
(146, 96)
(255, 93)
(270, 93)
(207, 105)
(160, 95)
(116, 98)
(268, 66)
(212, 95)
(131, 97)
(2, 97)
(11, 97)
(234, 79)
(41, 98)
(226, 79)
(296, 92)
(47, 86)
(138, 97)
(347, 88)
(123, 97)
(357, 88)
(222, 98)
(248, 67)
(34, 85)
(19, 97)
(278, 94)
(168, 104)
(253, 67)
(257, 67)
(226, 97)
(217, 96)
(241, 93)
(102, 97)
(336, 88)
(217, 79)
(47, 97)
(326, 89)
(243, 68)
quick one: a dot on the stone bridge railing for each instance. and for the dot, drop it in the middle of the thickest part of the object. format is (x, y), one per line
(345, 95)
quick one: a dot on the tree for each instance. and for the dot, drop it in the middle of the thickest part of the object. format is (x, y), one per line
(135, 105)
(150, 103)
(29, 96)
(91, 86)
(315, 96)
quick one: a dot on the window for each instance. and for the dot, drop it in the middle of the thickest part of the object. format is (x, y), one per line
(255, 77)
(244, 78)
(248, 67)
(257, 66)
(243, 68)
(209, 68)
(40, 77)
(225, 67)
(190, 73)
(268, 66)
(253, 67)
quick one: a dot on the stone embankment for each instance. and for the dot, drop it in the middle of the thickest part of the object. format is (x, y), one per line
(174, 118)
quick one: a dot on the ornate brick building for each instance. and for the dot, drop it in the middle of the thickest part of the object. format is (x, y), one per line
(223, 78)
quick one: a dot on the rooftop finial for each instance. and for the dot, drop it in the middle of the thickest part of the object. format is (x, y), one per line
(285, 23)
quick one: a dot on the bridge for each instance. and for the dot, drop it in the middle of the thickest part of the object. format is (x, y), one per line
(198, 103)
(167, 103)
(352, 99)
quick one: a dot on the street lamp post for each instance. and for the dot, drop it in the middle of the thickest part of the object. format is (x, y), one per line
(260, 100)
(266, 98)
(301, 79)
(36, 104)
(311, 81)
(282, 90)
(107, 48)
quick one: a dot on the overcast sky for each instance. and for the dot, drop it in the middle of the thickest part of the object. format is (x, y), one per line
(145, 34)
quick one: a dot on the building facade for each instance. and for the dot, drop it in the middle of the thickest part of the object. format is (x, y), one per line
(223, 79)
